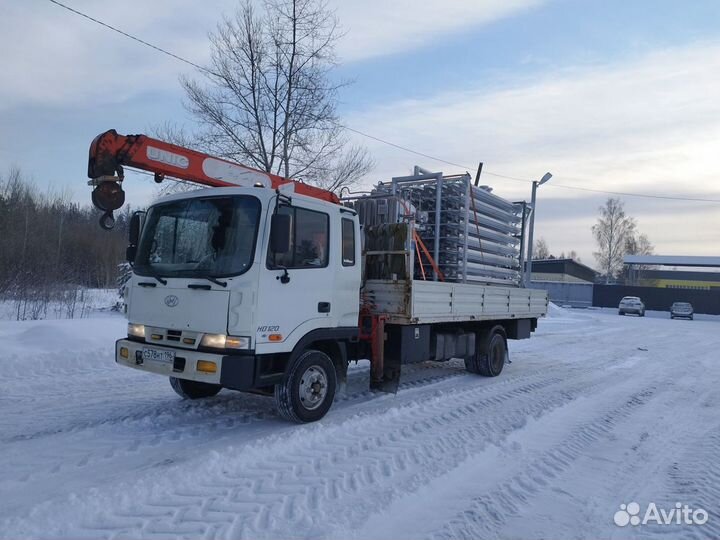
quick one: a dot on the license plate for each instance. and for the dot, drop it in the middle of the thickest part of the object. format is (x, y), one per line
(154, 355)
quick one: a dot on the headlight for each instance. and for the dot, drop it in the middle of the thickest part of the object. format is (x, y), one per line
(221, 341)
(136, 330)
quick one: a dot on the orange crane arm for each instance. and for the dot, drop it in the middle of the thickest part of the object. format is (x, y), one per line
(110, 151)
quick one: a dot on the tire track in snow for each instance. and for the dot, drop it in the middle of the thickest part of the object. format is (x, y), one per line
(263, 498)
(487, 513)
(216, 420)
(200, 430)
(693, 479)
(607, 463)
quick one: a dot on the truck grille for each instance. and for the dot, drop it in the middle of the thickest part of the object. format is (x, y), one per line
(175, 338)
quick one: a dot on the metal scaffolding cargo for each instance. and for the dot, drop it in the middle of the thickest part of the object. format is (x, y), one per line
(462, 233)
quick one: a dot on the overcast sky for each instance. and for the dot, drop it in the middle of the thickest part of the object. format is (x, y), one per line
(607, 95)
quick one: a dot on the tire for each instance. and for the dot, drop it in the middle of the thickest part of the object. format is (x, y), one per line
(642, 313)
(193, 389)
(490, 353)
(672, 316)
(308, 388)
(621, 313)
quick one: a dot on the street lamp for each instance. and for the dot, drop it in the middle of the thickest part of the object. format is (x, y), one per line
(528, 263)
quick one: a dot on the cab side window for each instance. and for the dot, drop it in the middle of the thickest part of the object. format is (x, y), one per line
(348, 242)
(308, 240)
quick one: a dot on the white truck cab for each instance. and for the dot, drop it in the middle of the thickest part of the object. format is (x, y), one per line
(212, 305)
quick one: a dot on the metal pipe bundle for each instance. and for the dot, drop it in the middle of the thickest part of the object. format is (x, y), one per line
(473, 235)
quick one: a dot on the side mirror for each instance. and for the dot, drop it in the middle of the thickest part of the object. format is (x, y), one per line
(280, 226)
(130, 253)
(134, 230)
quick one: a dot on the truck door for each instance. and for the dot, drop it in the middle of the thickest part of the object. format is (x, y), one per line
(296, 287)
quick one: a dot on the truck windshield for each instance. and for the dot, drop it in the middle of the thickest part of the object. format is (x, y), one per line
(210, 236)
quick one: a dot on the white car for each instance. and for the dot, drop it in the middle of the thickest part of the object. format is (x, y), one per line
(631, 304)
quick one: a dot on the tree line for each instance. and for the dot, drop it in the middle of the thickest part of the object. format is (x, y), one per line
(51, 248)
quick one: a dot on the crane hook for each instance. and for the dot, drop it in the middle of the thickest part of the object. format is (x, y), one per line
(107, 221)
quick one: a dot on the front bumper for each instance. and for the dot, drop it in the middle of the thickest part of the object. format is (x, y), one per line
(237, 371)
(184, 367)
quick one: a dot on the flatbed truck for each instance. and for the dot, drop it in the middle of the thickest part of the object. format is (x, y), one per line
(265, 285)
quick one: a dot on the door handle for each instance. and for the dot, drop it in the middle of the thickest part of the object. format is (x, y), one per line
(323, 307)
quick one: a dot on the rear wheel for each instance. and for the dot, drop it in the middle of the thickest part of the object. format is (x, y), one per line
(308, 389)
(193, 389)
(490, 353)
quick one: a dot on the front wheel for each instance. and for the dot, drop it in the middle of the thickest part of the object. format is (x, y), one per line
(490, 353)
(308, 388)
(193, 389)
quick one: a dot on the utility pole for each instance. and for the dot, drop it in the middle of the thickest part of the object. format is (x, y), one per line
(531, 233)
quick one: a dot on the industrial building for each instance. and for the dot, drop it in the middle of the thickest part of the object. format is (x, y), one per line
(562, 270)
(567, 282)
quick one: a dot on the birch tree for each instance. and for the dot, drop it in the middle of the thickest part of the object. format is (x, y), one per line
(541, 249)
(612, 231)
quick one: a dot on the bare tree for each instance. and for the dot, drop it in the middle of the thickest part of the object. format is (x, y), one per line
(267, 98)
(639, 245)
(612, 231)
(573, 255)
(541, 250)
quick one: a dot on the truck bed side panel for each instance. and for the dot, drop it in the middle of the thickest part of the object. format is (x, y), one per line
(419, 302)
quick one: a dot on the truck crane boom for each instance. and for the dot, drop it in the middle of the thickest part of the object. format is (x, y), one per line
(110, 152)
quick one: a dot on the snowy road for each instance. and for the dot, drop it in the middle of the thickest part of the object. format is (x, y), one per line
(595, 411)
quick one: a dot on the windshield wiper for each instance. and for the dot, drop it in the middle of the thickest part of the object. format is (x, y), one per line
(215, 281)
(157, 276)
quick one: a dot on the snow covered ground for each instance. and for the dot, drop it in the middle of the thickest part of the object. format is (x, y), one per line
(595, 411)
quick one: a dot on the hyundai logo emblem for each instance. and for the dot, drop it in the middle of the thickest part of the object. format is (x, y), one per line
(171, 300)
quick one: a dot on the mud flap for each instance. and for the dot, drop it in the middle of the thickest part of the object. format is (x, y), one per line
(390, 379)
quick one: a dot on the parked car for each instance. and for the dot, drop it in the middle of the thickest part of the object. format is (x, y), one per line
(681, 309)
(631, 304)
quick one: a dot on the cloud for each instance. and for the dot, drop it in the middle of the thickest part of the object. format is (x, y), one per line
(56, 58)
(378, 27)
(650, 125)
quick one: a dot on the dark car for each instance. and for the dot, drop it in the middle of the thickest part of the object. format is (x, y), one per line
(681, 310)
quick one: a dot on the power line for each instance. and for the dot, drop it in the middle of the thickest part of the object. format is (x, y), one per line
(627, 194)
(134, 38)
(386, 142)
(404, 148)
